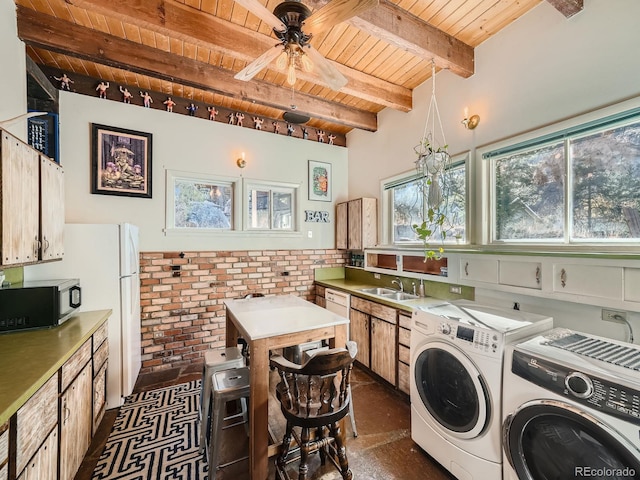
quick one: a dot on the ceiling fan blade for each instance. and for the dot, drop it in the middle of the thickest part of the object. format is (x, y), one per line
(325, 70)
(334, 12)
(250, 71)
(260, 11)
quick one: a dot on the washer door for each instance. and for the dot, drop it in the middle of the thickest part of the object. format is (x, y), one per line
(452, 390)
(546, 439)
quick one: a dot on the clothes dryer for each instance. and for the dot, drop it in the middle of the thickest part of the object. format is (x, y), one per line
(571, 407)
(456, 382)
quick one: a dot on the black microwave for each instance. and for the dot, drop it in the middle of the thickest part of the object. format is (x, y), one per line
(38, 304)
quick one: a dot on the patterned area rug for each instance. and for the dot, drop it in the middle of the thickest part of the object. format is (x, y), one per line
(155, 437)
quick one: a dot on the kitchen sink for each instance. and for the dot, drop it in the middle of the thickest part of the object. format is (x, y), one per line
(378, 291)
(399, 296)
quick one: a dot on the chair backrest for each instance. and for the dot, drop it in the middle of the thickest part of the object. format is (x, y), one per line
(318, 387)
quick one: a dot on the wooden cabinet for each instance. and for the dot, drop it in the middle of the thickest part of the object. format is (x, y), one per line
(356, 224)
(404, 351)
(32, 203)
(20, 200)
(100, 354)
(76, 422)
(374, 325)
(4, 451)
(320, 296)
(35, 421)
(42, 465)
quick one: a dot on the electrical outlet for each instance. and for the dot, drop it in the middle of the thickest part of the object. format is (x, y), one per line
(376, 276)
(455, 289)
(614, 315)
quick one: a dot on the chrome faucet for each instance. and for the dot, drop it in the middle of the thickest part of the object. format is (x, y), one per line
(398, 282)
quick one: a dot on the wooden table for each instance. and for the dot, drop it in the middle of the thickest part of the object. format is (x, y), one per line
(268, 323)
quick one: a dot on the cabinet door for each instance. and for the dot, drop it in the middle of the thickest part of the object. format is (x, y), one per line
(341, 226)
(75, 423)
(20, 201)
(521, 274)
(355, 225)
(52, 209)
(43, 465)
(369, 223)
(99, 396)
(4, 451)
(591, 280)
(383, 349)
(360, 334)
(479, 269)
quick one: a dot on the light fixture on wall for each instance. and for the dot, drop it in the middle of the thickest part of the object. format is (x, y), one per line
(470, 122)
(241, 162)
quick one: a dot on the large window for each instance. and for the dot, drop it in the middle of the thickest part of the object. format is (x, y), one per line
(271, 206)
(581, 184)
(405, 200)
(199, 202)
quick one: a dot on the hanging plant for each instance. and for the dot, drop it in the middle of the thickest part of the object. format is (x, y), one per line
(431, 166)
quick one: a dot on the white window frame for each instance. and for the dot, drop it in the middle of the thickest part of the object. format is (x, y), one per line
(174, 175)
(386, 200)
(292, 188)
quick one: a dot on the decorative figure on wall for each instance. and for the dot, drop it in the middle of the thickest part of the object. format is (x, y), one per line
(305, 133)
(257, 123)
(64, 82)
(331, 138)
(232, 118)
(212, 112)
(320, 134)
(276, 127)
(170, 104)
(239, 118)
(146, 99)
(126, 94)
(191, 108)
(102, 89)
(290, 130)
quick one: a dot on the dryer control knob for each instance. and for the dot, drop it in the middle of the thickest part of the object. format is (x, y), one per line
(579, 385)
(445, 328)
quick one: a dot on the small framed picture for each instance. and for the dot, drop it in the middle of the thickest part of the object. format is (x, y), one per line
(120, 162)
(319, 181)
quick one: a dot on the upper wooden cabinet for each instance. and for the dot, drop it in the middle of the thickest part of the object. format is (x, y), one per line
(356, 224)
(32, 204)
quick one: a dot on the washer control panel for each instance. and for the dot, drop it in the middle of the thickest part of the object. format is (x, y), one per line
(477, 339)
(591, 391)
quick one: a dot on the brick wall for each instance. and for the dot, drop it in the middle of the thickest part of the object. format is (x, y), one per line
(182, 295)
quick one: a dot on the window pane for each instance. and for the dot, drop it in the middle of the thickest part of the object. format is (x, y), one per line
(406, 204)
(202, 204)
(282, 210)
(454, 207)
(606, 184)
(259, 208)
(529, 196)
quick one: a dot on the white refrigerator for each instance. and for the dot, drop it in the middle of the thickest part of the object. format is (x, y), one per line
(105, 257)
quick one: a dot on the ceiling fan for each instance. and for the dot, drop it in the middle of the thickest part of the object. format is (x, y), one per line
(294, 25)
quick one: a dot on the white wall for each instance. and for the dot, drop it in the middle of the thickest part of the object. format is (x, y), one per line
(541, 69)
(194, 145)
(13, 87)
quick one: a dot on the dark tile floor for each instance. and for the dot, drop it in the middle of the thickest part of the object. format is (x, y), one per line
(383, 449)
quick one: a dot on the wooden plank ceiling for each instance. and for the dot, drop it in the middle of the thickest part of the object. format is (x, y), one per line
(193, 48)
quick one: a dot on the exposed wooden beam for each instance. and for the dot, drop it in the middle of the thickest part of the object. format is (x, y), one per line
(64, 37)
(397, 27)
(44, 84)
(177, 20)
(567, 7)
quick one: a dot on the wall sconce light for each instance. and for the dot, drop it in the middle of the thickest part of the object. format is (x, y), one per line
(241, 162)
(470, 122)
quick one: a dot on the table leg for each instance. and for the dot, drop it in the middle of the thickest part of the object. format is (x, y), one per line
(340, 338)
(259, 410)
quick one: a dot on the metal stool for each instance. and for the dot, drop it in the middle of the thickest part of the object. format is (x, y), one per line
(214, 361)
(227, 385)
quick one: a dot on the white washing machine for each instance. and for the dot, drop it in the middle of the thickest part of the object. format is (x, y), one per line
(456, 382)
(571, 408)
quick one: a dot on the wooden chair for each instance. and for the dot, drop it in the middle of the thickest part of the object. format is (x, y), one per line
(315, 397)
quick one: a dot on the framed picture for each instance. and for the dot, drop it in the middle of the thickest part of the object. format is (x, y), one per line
(319, 181)
(120, 162)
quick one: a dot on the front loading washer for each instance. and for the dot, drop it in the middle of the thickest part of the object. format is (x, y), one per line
(571, 408)
(456, 382)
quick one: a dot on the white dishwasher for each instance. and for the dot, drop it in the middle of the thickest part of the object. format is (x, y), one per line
(337, 302)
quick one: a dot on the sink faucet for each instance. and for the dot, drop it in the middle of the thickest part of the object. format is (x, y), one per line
(398, 282)
(413, 285)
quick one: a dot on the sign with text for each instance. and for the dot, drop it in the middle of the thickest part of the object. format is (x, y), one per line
(316, 216)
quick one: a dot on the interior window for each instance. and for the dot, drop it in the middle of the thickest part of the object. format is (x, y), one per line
(271, 207)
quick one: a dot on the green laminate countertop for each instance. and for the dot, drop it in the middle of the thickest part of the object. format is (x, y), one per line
(353, 287)
(30, 358)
